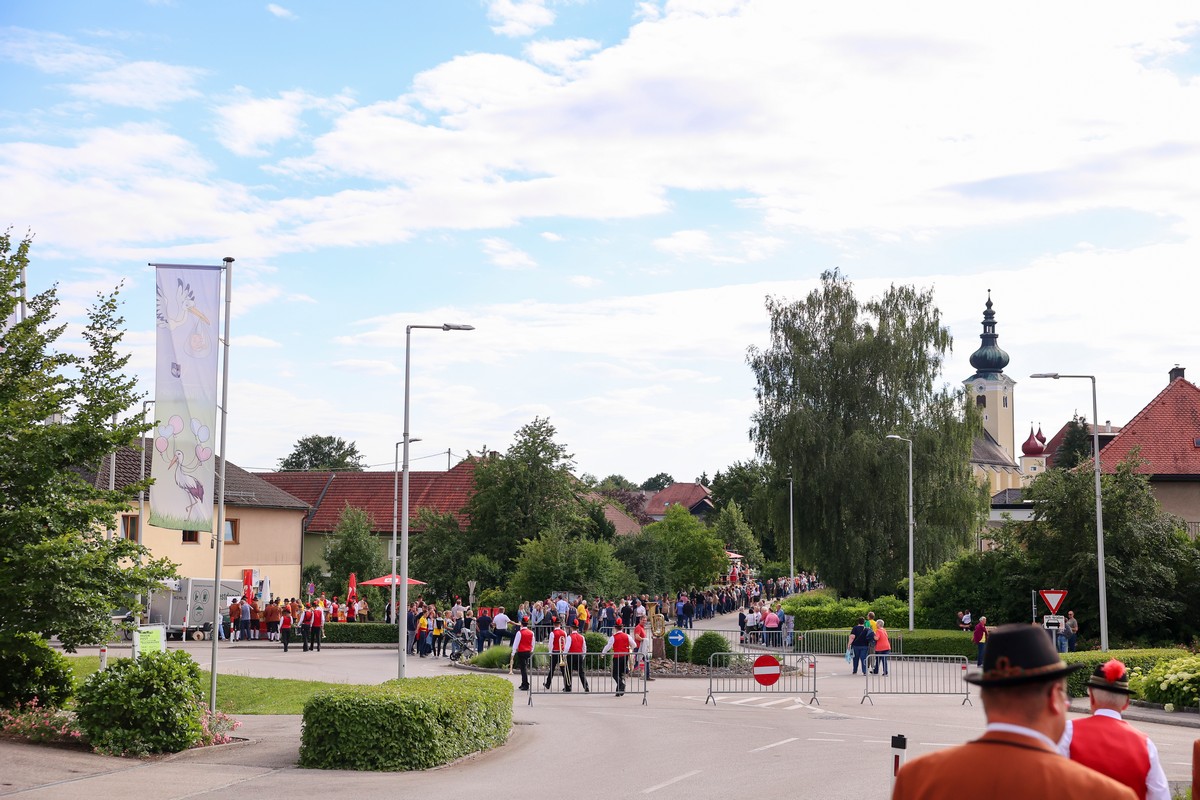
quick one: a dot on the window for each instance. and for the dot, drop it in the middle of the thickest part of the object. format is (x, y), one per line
(981, 401)
(232, 531)
(191, 537)
(1006, 401)
(130, 528)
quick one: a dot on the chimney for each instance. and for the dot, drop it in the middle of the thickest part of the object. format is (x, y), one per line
(1108, 426)
(1175, 374)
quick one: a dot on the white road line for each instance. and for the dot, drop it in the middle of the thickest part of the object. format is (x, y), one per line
(777, 744)
(875, 741)
(936, 744)
(777, 702)
(676, 779)
(743, 701)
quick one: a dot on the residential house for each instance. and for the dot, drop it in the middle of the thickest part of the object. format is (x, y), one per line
(695, 497)
(263, 524)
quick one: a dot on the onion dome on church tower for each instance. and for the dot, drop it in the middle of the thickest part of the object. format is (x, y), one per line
(1032, 446)
(1041, 437)
(989, 360)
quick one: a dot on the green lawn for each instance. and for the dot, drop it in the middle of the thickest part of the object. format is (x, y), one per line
(236, 694)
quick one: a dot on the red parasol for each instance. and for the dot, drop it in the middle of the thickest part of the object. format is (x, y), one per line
(388, 580)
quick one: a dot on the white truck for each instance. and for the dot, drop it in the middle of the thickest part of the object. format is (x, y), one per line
(189, 607)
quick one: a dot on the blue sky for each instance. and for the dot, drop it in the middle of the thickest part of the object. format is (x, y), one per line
(607, 191)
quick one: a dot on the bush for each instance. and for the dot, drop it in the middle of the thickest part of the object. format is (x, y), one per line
(931, 642)
(1175, 680)
(34, 672)
(497, 656)
(595, 641)
(416, 723)
(150, 704)
(821, 609)
(684, 654)
(359, 633)
(705, 645)
(1141, 660)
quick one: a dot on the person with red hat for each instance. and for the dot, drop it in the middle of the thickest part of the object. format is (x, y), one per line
(620, 644)
(1024, 692)
(1107, 743)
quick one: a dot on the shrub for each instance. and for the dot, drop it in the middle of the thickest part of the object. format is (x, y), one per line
(705, 645)
(931, 642)
(1141, 661)
(36, 723)
(595, 641)
(412, 724)
(150, 704)
(684, 654)
(1175, 681)
(497, 656)
(360, 633)
(34, 673)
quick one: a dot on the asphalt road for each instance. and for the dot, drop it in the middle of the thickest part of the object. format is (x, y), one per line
(577, 746)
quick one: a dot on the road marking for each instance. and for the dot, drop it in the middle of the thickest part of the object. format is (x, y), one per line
(826, 740)
(875, 741)
(777, 702)
(676, 779)
(742, 701)
(777, 744)
(936, 744)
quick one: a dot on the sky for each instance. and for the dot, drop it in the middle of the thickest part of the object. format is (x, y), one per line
(607, 191)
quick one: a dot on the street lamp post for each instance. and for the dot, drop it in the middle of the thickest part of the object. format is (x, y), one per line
(1099, 506)
(402, 611)
(791, 536)
(911, 525)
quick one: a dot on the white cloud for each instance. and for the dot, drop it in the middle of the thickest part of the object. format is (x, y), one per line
(140, 84)
(249, 125)
(504, 254)
(551, 237)
(51, 52)
(585, 281)
(683, 244)
(252, 340)
(517, 18)
(280, 11)
(367, 366)
(559, 54)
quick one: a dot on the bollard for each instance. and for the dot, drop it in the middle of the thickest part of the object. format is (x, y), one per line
(103, 656)
(1195, 764)
(899, 747)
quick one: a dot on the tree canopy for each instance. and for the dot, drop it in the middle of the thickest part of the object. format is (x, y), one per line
(353, 547)
(657, 483)
(60, 573)
(1076, 445)
(319, 453)
(839, 375)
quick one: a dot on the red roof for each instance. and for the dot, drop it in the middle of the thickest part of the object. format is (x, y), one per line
(1166, 431)
(624, 524)
(1107, 434)
(375, 492)
(692, 496)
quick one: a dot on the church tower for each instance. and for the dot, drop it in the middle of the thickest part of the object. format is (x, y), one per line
(991, 389)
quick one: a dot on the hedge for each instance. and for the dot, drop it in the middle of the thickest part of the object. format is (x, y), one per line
(412, 724)
(1143, 659)
(33, 671)
(360, 633)
(834, 613)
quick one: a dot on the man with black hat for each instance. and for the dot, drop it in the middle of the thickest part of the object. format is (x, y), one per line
(620, 644)
(1109, 744)
(1023, 689)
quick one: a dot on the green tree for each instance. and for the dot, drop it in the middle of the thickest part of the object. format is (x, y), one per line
(323, 453)
(524, 492)
(731, 528)
(658, 482)
(697, 556)
(838, 376)
(353, 547)
(648, 554)
(1145, 550)
(60, 574)
(1076, 445)
(761, 494)
(615, 482)
(443, 556)
(556, 561)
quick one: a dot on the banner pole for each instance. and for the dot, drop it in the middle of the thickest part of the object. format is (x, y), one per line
(219, 530)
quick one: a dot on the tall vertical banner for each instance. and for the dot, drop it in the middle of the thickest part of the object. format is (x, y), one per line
(185, 397)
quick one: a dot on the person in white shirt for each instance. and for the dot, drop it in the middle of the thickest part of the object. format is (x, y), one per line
(500, 625)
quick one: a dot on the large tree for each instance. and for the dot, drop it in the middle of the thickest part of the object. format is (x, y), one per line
(527, 490)
(557, 561)
(60, 572)
(656, 483)
(444, 556)
(731, 528)
(353, 547)
(323, 453)
(839, 375)
(1076, 445)
(696, 555)
(762, 496)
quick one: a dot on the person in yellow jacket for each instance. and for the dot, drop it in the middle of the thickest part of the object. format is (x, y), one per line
(582, 615)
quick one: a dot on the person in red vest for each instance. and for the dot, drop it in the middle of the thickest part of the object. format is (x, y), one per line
(306, 618)
(558, 652)
(285, 627)
(318, 628)
(1109, 744)
(576, 660)
(522, 649)
(620, 645)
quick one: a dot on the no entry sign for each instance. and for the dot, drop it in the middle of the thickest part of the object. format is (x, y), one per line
(766, 670)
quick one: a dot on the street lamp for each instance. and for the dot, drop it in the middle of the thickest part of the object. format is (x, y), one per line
(402, 611)
(395, 520)
(791, 536)
(1099, 505)
(911, 524)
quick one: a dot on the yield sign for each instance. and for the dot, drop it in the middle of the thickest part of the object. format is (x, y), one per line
(1053, 598)
(766, 670)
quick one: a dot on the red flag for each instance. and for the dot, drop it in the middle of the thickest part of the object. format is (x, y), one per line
(248, 584)
(352, 595)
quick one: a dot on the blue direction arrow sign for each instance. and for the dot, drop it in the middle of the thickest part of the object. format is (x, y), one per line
(676, 637)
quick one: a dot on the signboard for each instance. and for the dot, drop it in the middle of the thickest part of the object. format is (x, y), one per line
(766, 670)
(1053, 598)
(676, 637)
(1054, 622)
(149, 639)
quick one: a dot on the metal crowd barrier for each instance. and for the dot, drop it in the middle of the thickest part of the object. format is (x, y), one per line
(916, 675)
(832, 641)
(742, 673)
(597, 677)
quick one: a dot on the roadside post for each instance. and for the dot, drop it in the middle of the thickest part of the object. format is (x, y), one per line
(899, 751)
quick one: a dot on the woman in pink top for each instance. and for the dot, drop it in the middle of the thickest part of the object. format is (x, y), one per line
(883, 648)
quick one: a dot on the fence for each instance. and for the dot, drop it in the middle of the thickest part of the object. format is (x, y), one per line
(832, 641)
(916, 675)
(590, 673)
(778, 674)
